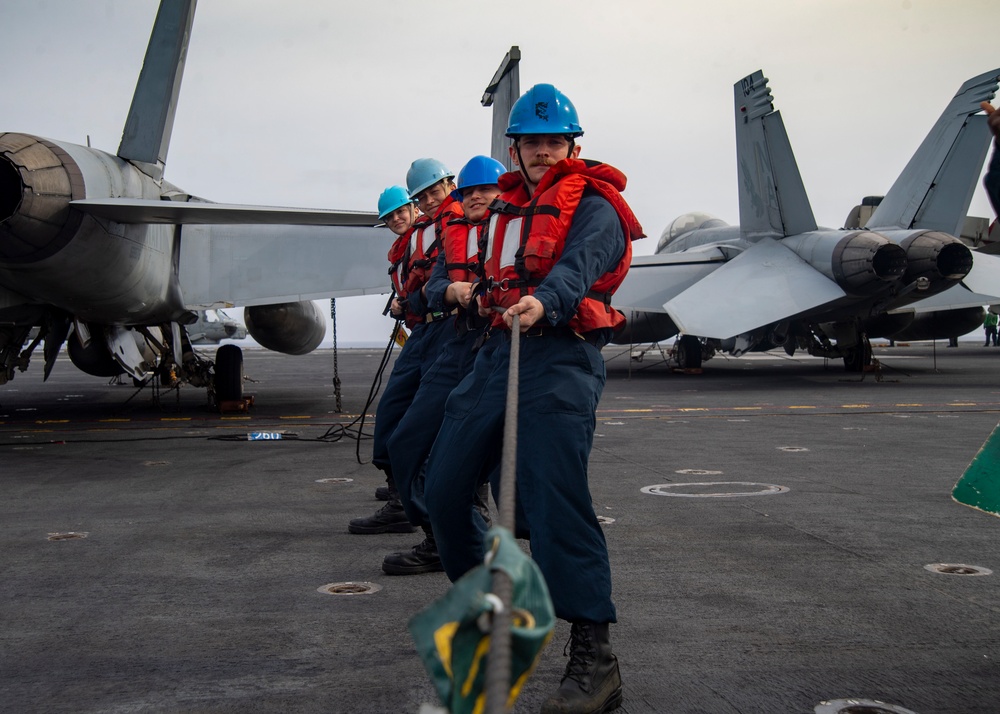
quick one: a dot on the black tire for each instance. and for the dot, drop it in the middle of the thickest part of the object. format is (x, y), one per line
(228, 373)
(689, 352)
(858, 357)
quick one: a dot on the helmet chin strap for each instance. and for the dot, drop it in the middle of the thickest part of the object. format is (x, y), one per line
(520, 164)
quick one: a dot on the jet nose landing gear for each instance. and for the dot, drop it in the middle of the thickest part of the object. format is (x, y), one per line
(228, 380)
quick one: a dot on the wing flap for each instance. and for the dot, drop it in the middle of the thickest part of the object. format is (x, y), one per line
(765, 284)
(956, 297)
(137, 210)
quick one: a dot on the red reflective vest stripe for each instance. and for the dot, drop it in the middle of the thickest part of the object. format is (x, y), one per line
(526, 237)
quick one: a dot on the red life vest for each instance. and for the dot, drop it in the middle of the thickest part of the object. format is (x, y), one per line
(527, 235)
(413, 254)
(461, 249)
(397, 262)
(398, 272)
(426, 243)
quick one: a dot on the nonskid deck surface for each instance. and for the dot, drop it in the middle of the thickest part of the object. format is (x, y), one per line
(769, 523)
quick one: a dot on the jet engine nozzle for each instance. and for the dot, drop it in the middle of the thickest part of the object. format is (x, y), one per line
(37, 182)
(863, 262)
(294, 328)
(937, 256)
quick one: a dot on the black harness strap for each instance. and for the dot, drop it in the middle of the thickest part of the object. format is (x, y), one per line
(521, 284)
(531, 209)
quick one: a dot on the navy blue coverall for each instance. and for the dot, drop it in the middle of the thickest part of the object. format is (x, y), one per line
(415, 359)
(411, 441)
(561, 379)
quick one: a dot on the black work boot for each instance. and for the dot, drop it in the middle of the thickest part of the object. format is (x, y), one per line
(390, 518)
(382, 493)
(592, 683)
(422, 558)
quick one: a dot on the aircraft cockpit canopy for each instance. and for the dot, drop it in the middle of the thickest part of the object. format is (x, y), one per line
(685, 224)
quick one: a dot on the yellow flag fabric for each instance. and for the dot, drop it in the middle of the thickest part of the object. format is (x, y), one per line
(452, 634)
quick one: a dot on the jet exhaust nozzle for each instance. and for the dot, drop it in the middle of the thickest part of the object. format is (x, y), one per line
(936, 256)
(293, 328)
(864, 262)
(37, 182)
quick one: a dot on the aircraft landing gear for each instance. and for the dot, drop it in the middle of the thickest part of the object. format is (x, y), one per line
(228, 374)
(689, 352)
(857, 358)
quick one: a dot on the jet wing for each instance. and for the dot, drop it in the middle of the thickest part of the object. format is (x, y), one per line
(654, 279)
(136, 210)
(226, 265)
(985, 276)
(764, 284)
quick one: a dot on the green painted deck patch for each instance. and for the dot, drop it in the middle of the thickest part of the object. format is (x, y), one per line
(979, 486)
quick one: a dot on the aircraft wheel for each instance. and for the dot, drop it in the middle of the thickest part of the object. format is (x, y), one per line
(689, 352)
(858, 357)
(228, 373)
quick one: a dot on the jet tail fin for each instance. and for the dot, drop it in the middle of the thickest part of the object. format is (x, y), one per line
(502, 92)
(936, 186)
(151, 118)
(773, 201)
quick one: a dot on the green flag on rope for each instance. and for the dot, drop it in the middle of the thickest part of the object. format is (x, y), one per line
(452, 634)
(979, 486)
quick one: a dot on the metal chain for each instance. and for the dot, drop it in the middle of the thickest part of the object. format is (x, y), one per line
(336, 373)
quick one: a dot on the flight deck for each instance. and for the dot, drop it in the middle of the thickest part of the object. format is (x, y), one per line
(781, 536)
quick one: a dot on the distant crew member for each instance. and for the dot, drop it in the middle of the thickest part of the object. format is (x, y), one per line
(558, 245)
(990, 327)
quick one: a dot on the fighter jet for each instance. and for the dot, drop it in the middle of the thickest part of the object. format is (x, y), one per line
(214, 326)
(98, 249)
(779, 280)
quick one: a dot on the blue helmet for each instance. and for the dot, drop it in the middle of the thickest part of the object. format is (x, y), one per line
(479, 171)
(543, 109)
(424, 173)
(392, 198)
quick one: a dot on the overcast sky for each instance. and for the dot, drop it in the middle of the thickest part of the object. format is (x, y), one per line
(323, 103)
